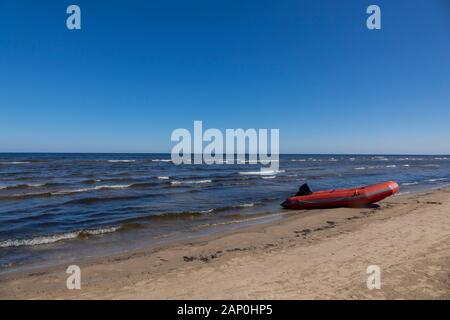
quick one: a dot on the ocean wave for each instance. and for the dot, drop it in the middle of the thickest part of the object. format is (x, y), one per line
(22, 186)
(56, 237)
(91, 181)
(436, 179)
(180, 182)
(61, 192)
(380, 158)
(22, 196)
(64, 192)
(248, 161)
(246, 205)
(410, 183)
(161, 160)
(96, 200)
(375, 167)
(163, 178)
(269, 177)
(143, 184)
(119, 161)
(15, 162)
(313, 160)
(167, 216)
(187, 215)
(262, 172)
(220, 161)
(410, 159)
(234, 207)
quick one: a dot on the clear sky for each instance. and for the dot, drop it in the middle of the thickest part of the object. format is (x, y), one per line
(139, 69)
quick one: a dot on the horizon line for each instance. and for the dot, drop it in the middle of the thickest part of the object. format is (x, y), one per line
(143, 153)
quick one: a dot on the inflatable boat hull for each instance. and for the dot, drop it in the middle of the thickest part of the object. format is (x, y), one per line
(357, 197)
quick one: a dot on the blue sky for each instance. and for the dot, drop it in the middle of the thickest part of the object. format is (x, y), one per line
(139, 69)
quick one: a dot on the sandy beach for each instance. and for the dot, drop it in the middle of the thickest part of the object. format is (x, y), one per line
(321, 254)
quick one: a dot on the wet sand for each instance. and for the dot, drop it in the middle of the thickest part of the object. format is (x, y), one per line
(321, 254)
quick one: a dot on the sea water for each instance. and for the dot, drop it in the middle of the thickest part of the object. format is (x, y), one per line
(65, 207)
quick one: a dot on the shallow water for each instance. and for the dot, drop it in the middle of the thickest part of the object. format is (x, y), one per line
(52, 205)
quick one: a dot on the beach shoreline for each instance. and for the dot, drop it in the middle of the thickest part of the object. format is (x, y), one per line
(317, 254)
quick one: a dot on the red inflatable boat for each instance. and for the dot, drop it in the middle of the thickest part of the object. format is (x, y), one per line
(356, 197)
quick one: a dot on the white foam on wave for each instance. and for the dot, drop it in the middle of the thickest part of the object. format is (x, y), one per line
(119, 186)
(360, 168)
(380, 158)
(15, 162)
(269, 177)
(262, 172)
(161, 160)
(35, 185)
(207, 211)
(410, 183)
(125, 161)
(391, 166)
(436, 179)
(54, 238)
(163, 178)
(410, 159)
(246, 205)
(30, 185)
(190, 182)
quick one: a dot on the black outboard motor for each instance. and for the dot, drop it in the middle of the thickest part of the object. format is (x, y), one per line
(304, 190)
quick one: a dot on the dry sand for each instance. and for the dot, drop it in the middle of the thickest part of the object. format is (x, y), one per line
(321, 254)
